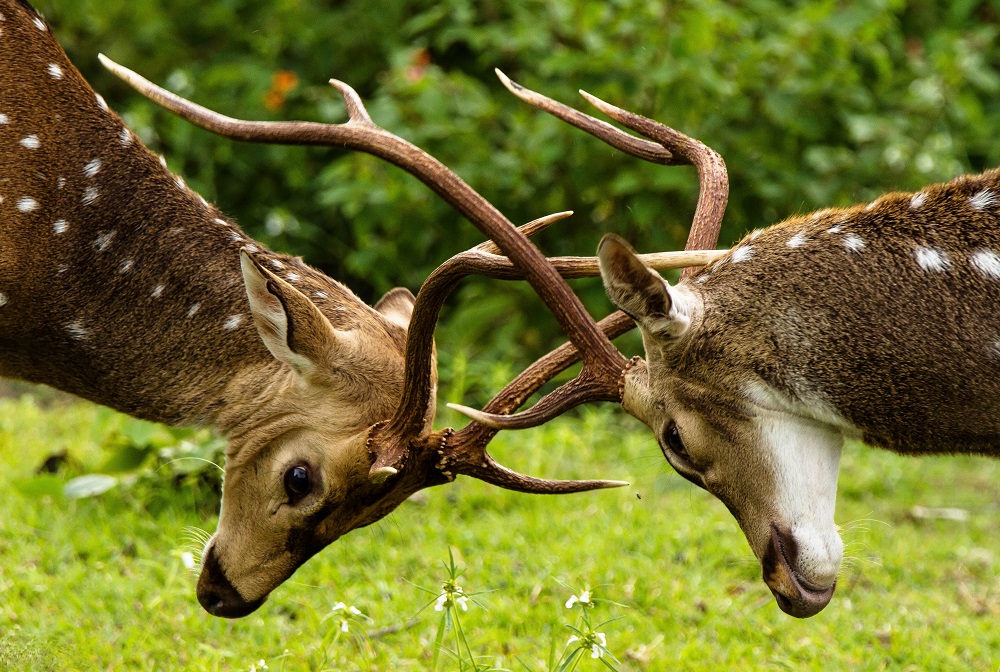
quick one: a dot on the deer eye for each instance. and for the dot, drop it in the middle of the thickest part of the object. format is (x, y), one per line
(297, 482)
(672, 439)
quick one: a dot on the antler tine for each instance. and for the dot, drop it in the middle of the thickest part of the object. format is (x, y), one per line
(669, 147)
(494, 473)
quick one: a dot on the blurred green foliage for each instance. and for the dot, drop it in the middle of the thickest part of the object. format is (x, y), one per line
(812, 104)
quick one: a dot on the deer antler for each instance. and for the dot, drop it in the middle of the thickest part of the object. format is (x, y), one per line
(390, 442)
(668, 147)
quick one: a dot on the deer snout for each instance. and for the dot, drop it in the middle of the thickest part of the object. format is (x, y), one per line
(217, 594)
(800, 583)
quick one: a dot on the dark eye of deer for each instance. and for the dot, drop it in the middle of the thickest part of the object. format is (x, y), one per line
(297, 482)
(672, 437)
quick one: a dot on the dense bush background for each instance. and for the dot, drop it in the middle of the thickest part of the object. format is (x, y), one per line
(812, 104)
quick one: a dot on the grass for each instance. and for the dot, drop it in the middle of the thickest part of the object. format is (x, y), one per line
(99, 584)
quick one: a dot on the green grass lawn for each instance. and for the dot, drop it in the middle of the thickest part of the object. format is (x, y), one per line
(99, 583)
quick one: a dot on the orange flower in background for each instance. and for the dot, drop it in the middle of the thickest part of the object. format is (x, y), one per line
(282, 82)
(418, 65)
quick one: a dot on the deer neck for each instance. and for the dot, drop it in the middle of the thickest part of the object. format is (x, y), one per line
(117, 282)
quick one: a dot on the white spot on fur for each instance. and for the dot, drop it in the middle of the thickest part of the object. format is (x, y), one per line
(218, 220)
(157, 291)
(60, 226)
(983, 199)
(798, 240)
(232, 322)
(55, 71)
(193, 309)
(90, 194)
(4, 119)
(871, 206)
(741, 253)
(292, 277)
(92, 168)
(31, 142)
(126, 137)
(60, 183)
(835, 229)
(277, 264)
(126, 266)
(236, 237)
(163, 161)
(27, 204)
(853, 242)
(252, 249)
(987, 262)
(78, 331)
(203, 201)
(917, 200)
(102, 103)
(40, 24)
(180, 182)
(931, 260)
(320, 295)
(755, 233)
(102, 242)
(4, 299)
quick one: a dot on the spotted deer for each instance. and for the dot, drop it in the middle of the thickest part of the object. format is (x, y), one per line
(121, 285)
(878, 322)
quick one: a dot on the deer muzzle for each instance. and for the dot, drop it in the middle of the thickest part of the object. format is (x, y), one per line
(217, 594)
(795, 595)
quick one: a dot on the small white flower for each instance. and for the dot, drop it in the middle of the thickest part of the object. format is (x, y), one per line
(188, 559)
(339, 606)
(583, 599)
(354, 610)
(441, 601)
(595, 651)
(262, 664)
(343, 626)
(572, 639)
(462, 601)
(600, 636)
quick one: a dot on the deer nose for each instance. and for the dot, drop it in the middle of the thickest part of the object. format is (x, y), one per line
(794, 595)
(218, 595)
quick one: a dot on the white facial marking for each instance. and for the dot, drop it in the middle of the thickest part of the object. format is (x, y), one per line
(126, 137)
(157, 291)
(55, 71)
(77, 330)
(27, 204)
(102, 103)
(835, 229)
(931, 260)
(987, 262)
(90, 194)
(917, 200)
(292, 277)
(277, 264)
(193, 309)
(741, 253)
(60, 226)
(31, 142)
(798, 240)
(126, 266)
(232, 322)
(4, 299)
(39, 24)
(853, 242)
(102, 242)
(983, 199)
(92, 168)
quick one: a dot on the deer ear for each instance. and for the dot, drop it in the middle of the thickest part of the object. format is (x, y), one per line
(397, 306)
(639, 291)
(291, 325)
